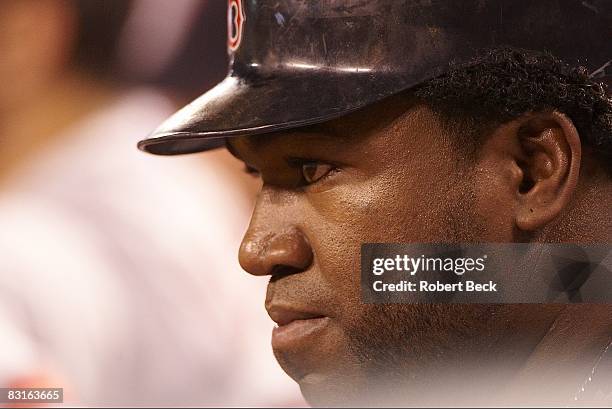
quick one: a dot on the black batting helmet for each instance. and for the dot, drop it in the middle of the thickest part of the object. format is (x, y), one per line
(300, 62)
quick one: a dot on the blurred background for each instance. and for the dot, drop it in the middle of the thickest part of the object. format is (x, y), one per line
(119, 278)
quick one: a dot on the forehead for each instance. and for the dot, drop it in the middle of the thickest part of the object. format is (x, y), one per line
(348, 128)
(322, 133)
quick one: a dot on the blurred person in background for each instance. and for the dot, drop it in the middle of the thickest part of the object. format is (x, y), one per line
(98, 243)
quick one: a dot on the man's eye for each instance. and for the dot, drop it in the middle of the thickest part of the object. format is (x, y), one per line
(313, 171)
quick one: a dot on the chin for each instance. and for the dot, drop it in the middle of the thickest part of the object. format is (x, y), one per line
(320, 394)
(330, 390)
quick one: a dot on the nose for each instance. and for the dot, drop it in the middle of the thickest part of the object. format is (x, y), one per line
(267, 253)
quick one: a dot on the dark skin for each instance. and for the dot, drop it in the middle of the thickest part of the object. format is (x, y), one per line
(393, 173)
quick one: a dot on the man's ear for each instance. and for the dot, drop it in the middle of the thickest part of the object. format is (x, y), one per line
(547, 156)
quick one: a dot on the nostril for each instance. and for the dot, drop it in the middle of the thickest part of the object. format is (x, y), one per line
(280, 271)
(278, 254)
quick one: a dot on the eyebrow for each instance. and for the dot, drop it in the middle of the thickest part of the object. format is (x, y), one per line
(316, 131)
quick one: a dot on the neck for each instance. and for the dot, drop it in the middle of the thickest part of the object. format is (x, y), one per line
(28, 128)
(565, 357)
(588, 219)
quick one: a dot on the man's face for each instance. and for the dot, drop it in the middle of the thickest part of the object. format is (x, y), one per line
(387, 174)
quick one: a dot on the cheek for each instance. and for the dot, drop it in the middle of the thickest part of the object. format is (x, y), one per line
(393, 207)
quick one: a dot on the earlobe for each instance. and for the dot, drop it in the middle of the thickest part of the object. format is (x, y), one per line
(549, 160)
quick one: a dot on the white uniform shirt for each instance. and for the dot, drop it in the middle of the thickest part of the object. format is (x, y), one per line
(119, 269)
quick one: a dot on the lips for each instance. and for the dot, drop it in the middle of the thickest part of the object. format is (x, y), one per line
(294, 326)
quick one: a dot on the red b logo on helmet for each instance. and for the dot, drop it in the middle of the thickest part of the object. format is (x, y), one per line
(235, 21)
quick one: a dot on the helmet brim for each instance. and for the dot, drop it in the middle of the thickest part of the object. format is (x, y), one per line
(247, 107)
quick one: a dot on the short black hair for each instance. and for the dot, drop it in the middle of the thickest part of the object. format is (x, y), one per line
(503, 83)
(100, 24)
